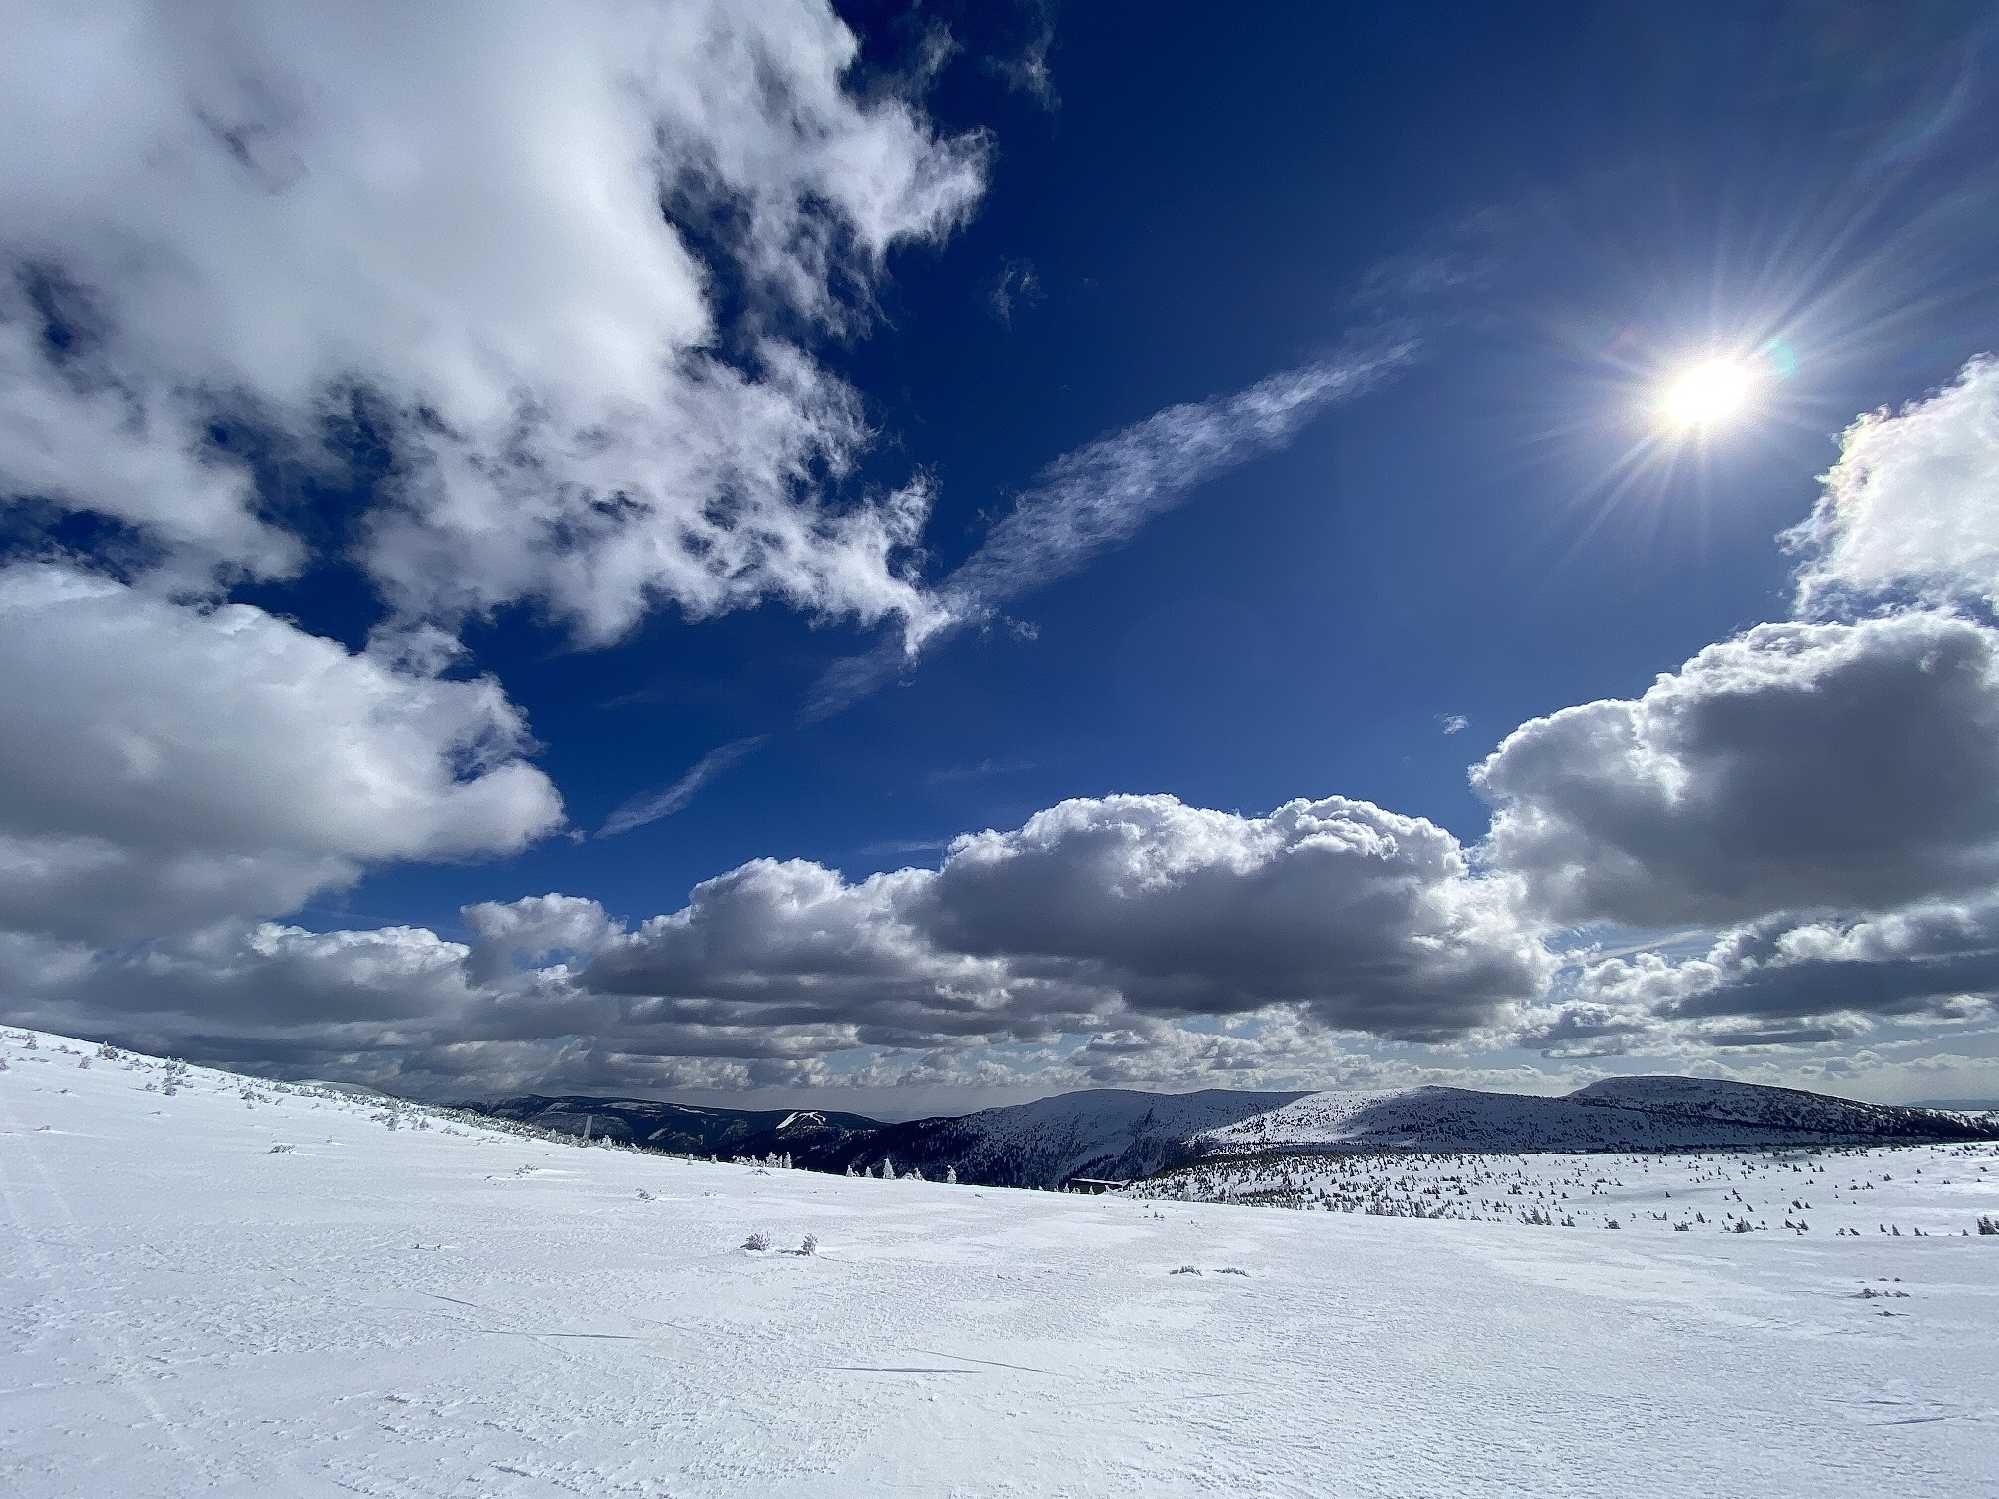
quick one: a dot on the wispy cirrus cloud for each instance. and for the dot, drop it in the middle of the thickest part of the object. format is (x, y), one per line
(1102, 494)
(651, 806)
(1017, 285)
(1027, 71)
(979, 770)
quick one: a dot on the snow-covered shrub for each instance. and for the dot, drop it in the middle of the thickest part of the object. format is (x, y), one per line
(809, 1245)
(950, 1176)
(757, 1241)
(1188, 1270)
(1987, 1224)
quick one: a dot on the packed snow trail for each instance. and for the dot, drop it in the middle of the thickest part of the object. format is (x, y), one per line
(447, 1309)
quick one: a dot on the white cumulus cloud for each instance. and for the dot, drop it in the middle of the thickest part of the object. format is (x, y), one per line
(1794, 767)
(1912, 506)
(163, 765)
(453, 214)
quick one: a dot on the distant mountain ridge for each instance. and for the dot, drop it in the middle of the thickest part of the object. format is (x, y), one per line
(1103, 1132)
(807, 1135)
(1124, 1133)
(1626, 1113)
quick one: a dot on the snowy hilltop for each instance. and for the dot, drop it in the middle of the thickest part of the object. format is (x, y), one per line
(213, 1284)
(1629, 1113)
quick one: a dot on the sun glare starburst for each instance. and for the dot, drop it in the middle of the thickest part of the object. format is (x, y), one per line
(1714, 392)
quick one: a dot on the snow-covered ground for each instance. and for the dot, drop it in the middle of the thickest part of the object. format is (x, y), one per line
(189, 1306)
(1840, 1191)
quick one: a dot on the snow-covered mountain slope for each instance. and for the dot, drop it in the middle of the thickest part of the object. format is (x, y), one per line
(1777, 1109)
(1635, 1113)
(211, 1285)
(809, 1136)
(1109, 1132)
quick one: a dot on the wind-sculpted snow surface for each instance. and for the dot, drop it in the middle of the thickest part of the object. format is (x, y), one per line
(1638, 1113)
(215, 1285)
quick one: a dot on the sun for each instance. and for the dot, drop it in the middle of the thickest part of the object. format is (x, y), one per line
(1714, 392)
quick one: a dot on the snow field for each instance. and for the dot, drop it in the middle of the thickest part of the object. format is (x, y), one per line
(447, 1308)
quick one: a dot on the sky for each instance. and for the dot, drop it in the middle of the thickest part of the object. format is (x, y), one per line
(910, 557)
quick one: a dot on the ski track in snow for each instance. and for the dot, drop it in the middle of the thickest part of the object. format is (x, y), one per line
(448, 1309)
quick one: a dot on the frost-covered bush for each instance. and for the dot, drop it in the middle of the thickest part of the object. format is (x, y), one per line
(758, 1242)
(809, 1245)
(1987, 1224)
(950, 1176)
(1188, 1270)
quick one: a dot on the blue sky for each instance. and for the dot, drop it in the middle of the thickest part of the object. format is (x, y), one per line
(1301, 622)
(1016, 301)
